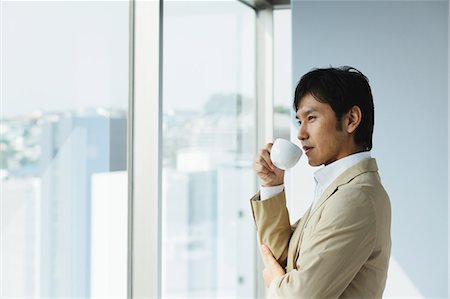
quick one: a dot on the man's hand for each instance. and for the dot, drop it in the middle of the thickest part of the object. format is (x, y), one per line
(272, 268)
(265, 170)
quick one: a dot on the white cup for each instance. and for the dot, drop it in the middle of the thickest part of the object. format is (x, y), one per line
(284, 154)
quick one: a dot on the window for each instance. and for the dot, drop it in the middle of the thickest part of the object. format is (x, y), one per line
(283, 96)
(209, 140)
(63, 139)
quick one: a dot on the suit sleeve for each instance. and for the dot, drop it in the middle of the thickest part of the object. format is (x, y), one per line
(272, 224)
(333, 251)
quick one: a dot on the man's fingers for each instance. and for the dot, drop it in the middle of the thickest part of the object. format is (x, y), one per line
(272, 268)
(261, 167)
(268, 256)
(264, 155)
(263, 159)
(269, 259)
(266, 250)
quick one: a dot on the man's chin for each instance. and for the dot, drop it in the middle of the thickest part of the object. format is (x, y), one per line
(314, 163)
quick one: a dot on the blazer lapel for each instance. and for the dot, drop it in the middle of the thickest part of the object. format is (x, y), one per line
(344, 178)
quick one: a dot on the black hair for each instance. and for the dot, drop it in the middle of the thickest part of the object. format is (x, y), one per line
(341, 88)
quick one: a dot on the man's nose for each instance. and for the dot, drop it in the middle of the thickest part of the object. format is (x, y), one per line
(302, 133)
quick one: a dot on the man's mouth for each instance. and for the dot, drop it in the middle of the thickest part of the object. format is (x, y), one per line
(306, 149)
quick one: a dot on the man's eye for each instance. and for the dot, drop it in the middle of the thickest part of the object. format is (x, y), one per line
(311, 117)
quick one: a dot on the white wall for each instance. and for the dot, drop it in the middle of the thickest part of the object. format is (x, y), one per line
(402, 47)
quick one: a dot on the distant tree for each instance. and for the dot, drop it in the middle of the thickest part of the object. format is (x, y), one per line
(226, 104)
(281, 110)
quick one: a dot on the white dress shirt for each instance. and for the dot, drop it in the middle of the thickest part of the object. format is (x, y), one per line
(323, 177)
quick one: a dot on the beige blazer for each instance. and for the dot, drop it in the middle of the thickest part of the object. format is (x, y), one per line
(341, 248)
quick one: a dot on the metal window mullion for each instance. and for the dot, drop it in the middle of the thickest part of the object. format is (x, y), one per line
(264, 4)
(144, 150)
(264, 102)
(130, 130)
(448, 152)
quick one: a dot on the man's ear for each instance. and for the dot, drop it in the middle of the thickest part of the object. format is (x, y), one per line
(353, 119)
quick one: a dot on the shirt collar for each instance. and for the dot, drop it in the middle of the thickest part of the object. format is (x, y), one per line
(327, 174)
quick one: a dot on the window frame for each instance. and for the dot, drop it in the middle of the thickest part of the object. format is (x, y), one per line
(145, 135)
(144, 149)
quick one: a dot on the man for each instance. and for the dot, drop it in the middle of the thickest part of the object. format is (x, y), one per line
(340, 248)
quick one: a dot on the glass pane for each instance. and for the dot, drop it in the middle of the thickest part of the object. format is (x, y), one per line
(208, 146)
(282, 83)
(64, 100)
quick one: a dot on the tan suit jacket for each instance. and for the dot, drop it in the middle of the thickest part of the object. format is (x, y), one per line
(341, 248)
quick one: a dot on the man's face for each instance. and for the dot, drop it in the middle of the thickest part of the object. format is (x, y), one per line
(321, 140)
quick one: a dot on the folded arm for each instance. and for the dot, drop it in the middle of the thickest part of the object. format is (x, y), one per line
(333, 251)
(273, 226)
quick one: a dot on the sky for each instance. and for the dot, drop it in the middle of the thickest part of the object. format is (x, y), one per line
(57, 56)
(65, 55)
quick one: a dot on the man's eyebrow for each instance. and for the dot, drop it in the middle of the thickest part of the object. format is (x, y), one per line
(306, 112)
